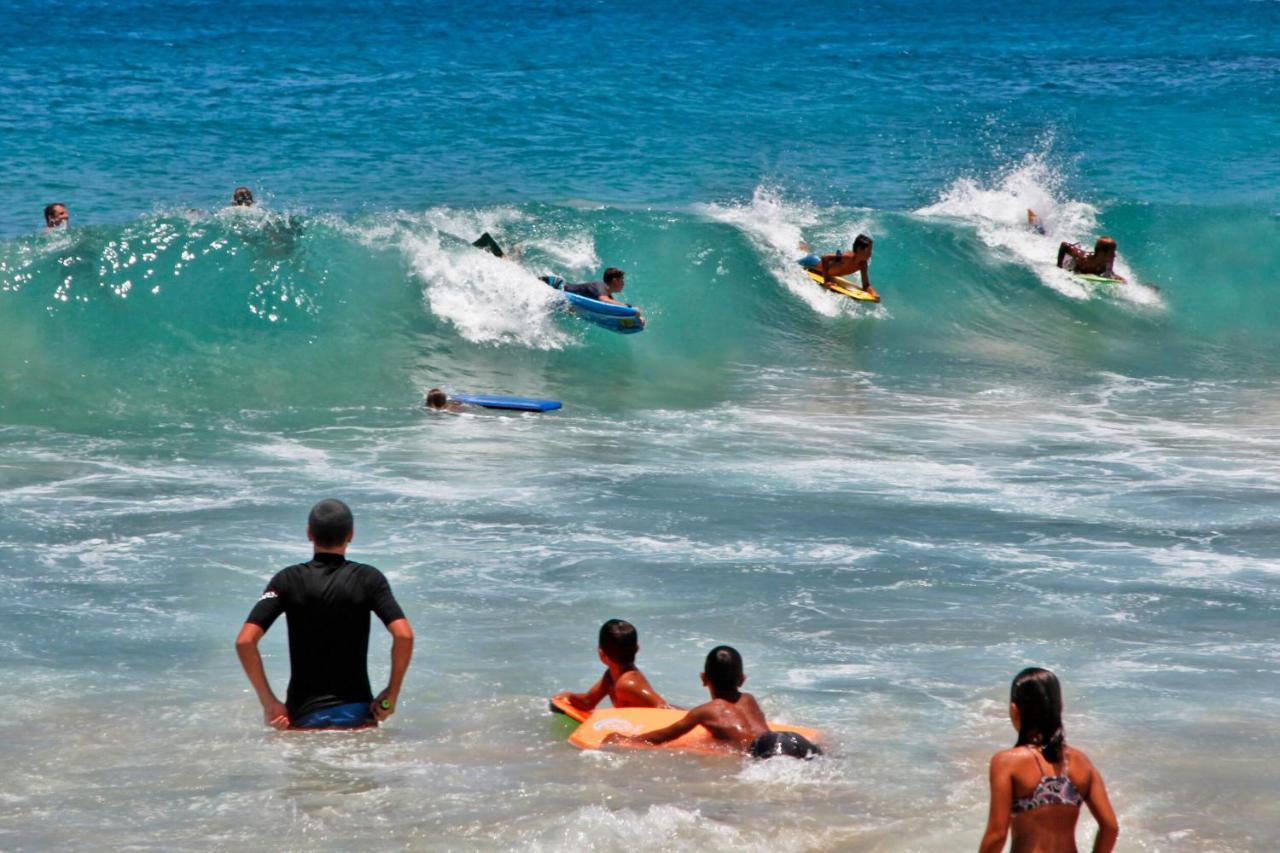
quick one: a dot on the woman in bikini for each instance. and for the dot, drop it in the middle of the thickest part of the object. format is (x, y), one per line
(1038, 786)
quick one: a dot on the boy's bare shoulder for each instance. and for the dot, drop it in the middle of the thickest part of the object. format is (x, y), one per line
(633, 678)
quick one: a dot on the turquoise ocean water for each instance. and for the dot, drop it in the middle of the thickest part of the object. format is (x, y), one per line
(889, 511)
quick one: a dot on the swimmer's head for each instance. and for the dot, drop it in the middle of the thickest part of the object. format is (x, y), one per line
(330, 524)
(242, 197)
(55, 215)
(437, 399)
(1035, 707)
(723, 670)
(619, 642)
(862, 243)
(614, 279)
(1104, 246)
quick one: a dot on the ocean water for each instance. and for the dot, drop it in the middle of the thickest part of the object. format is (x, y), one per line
(888, 510)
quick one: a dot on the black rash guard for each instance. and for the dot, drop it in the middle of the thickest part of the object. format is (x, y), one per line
(328, 602)
(590, 289)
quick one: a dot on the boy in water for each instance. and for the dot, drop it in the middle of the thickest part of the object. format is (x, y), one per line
(438, 400)
(55, 216)
(732, 717)
(625, 685)
(1098, 262)
(842, 264)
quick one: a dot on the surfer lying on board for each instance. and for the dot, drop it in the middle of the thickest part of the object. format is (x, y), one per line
(1098, 262)
(438, 400)
(732, 717)
(625, 685)
(614, 280)
(843, 264)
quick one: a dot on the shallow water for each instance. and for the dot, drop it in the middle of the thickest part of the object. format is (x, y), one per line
(889, 511)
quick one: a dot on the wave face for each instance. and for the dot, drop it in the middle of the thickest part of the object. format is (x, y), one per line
(200, 313)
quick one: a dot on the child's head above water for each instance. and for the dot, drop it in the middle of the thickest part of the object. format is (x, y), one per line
(619, 642)
(722, 672)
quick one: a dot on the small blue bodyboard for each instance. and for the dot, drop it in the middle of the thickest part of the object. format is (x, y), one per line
(617, 318)
(518, 404)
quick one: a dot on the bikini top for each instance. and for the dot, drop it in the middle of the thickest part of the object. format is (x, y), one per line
(1050, 790)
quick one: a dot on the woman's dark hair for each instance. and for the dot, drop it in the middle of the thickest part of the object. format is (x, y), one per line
(620, 641)
(861, 242)
(437, 399)
(723, 669)
(1038, 697)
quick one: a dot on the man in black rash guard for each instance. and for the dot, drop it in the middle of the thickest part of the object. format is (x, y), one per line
(327, 601)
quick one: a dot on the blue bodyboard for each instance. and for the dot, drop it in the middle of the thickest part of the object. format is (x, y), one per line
(518, 404)
(618, 318)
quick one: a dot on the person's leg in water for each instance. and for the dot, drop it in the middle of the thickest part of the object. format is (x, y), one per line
(489, 244)
(790, 744)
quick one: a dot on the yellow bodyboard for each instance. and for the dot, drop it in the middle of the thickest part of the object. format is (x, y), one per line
(844, 287)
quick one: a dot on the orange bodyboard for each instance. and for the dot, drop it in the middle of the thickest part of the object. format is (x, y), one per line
(560, 705)
(637, 721)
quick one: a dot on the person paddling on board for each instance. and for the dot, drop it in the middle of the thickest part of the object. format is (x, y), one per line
(328, 601)
(732, 717)
(843, 264)
(625, 685)
(438, 400)
(1101, 261)
(602, 291)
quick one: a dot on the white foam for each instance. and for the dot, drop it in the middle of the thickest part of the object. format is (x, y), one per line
(775, 228)
(662, 827)
(487, 299)
(999, 213)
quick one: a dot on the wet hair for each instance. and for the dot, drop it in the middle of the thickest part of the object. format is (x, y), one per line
(242, 197)
(1104, 244)
(723, 669)
(862, 241)
(613, 272)
(437, 399)
(619, 640)
(1038, 697)
(330, 523)
(48, 211)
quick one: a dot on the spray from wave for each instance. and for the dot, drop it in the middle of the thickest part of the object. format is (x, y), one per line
(776, 228)
(999, 213)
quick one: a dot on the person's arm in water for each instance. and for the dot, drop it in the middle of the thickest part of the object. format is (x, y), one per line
(681, 726)
(1001, 805)
(1095, 796)
(634, 691)
(274, 713)
(401, 653)
(591, 698)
